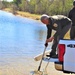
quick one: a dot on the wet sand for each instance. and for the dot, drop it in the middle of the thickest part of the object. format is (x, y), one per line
(24, 66)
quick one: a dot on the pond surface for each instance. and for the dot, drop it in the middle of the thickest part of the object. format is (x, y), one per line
(20, 36)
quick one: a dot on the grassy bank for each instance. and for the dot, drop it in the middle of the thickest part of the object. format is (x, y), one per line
(24, 14)
(28, 15)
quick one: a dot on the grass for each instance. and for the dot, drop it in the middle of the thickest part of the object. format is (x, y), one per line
(28, 15)
(7, 9)
(24, 14)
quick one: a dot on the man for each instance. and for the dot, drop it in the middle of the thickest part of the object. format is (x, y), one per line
(61, 24)
(72, 17)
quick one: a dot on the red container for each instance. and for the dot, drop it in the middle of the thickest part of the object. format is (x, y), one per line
(61, 51)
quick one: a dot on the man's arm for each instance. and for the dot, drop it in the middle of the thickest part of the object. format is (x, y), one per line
(49, 31)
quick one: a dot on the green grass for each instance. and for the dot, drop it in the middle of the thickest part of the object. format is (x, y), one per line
(24, 14)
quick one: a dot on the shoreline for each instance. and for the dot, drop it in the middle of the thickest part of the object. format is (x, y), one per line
(23, 14)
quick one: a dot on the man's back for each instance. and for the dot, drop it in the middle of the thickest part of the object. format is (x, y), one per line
(60, 20)
(59, 17)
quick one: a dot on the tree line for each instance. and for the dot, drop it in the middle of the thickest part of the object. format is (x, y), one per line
(50, 7)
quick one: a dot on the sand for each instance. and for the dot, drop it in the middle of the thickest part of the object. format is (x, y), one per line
(24, 66)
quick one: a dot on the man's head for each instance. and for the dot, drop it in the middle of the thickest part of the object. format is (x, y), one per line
(74, 3)
(45, 19)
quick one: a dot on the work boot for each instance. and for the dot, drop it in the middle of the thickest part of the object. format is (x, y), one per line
(55, 56)
(52, 55)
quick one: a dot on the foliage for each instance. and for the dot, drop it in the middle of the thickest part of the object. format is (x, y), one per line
(24, 6)
(50, 7)
(17, 2)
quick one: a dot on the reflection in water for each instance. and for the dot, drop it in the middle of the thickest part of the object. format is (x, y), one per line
(20, 36)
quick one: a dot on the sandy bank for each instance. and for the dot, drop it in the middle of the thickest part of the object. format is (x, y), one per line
(24, 66)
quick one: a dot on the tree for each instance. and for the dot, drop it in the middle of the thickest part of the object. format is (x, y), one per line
(17, 2)
(24, 6)
(50, 7)
(1, 5)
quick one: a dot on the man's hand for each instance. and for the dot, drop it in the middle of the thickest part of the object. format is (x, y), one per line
(46, 44)
(50, 39)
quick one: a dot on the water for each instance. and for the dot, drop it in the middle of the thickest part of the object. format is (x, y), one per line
(20, 36)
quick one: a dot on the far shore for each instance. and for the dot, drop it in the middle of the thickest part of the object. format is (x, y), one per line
(24, 14)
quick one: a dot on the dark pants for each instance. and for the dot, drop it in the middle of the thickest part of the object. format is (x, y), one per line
(72, 32)
(64, 30)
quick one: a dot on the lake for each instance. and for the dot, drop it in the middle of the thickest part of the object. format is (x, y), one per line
(20, 40)
(20, 36)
